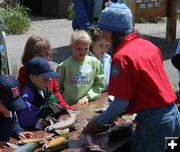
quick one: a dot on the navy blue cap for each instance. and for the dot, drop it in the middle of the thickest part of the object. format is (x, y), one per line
(176, 61)
(10, 94)
(40, 66)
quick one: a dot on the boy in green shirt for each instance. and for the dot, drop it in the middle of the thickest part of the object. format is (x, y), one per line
(82, 77)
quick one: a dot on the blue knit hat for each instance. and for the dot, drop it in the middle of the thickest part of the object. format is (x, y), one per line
(116, 18)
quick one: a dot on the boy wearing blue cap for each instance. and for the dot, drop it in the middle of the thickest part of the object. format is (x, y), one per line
(10, 101)
(138, 82)
(35, 93)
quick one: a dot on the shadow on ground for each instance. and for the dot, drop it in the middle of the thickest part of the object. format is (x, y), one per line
(60, 54)
(167, 50)
(42, 18)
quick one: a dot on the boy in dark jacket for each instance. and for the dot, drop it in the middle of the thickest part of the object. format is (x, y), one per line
(35, 93)
(10, 102)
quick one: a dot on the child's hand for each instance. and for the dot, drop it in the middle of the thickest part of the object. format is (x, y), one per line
(25, 135)
(83, 101)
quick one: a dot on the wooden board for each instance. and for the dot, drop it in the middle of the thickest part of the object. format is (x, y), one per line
(151, 8)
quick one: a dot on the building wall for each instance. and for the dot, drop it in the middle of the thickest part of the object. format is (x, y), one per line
(52, 8)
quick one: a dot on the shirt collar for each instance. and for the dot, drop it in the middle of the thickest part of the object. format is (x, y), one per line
(127, 39)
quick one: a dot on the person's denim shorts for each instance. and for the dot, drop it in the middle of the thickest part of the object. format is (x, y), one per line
(153, 125)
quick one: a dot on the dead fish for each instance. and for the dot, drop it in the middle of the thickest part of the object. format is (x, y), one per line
(14, 146)
(62, 124)
(62, 131)
(54, 144)
(33, 140)
(29, 147)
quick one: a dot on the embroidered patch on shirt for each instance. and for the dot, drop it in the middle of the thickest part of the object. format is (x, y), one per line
(115, 70)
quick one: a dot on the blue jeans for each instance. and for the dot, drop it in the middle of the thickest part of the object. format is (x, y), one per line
(82, 14)
(153, 125)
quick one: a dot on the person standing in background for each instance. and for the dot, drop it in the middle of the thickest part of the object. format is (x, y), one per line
(86, 12)
(99, 48)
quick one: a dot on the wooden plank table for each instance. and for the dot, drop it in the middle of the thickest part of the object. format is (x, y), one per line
(75, 138)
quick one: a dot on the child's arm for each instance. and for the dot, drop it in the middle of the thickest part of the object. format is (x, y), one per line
(5, 128)
(29, 115)
(98, 85)
(17, 130)
(107, 67)
(22, 77)
(15, 127)
(58, 95)
(60, 80)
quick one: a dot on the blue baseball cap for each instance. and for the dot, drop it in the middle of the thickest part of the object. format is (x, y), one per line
(10, 93)
(40, 66)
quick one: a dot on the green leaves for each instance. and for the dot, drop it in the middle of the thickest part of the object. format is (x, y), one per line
(71, 11)
(16, 19)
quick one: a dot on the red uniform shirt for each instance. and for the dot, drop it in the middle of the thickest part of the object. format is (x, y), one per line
(138, 75)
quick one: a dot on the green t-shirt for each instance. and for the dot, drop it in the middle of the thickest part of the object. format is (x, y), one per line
(80, 79)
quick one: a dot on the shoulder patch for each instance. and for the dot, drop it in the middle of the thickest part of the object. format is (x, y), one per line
(115, 70)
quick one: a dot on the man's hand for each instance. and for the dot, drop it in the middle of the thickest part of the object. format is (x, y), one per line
(90, 127)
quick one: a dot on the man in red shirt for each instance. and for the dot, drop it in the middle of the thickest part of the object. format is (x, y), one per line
(139, 83)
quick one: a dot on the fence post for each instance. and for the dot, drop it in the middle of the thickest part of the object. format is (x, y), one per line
(4, 69)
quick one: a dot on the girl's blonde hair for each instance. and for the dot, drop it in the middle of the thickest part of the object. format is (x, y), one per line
(80, 35)
(35, 45)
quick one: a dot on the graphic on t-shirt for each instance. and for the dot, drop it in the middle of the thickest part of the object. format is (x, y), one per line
(81, 76)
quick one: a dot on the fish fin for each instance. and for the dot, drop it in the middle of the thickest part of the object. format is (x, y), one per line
(63, 131)
(51, 121)
(14, 146)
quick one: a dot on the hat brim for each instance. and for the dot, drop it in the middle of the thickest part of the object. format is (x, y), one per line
(176, 61)
(51, 74)
(16, 105)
